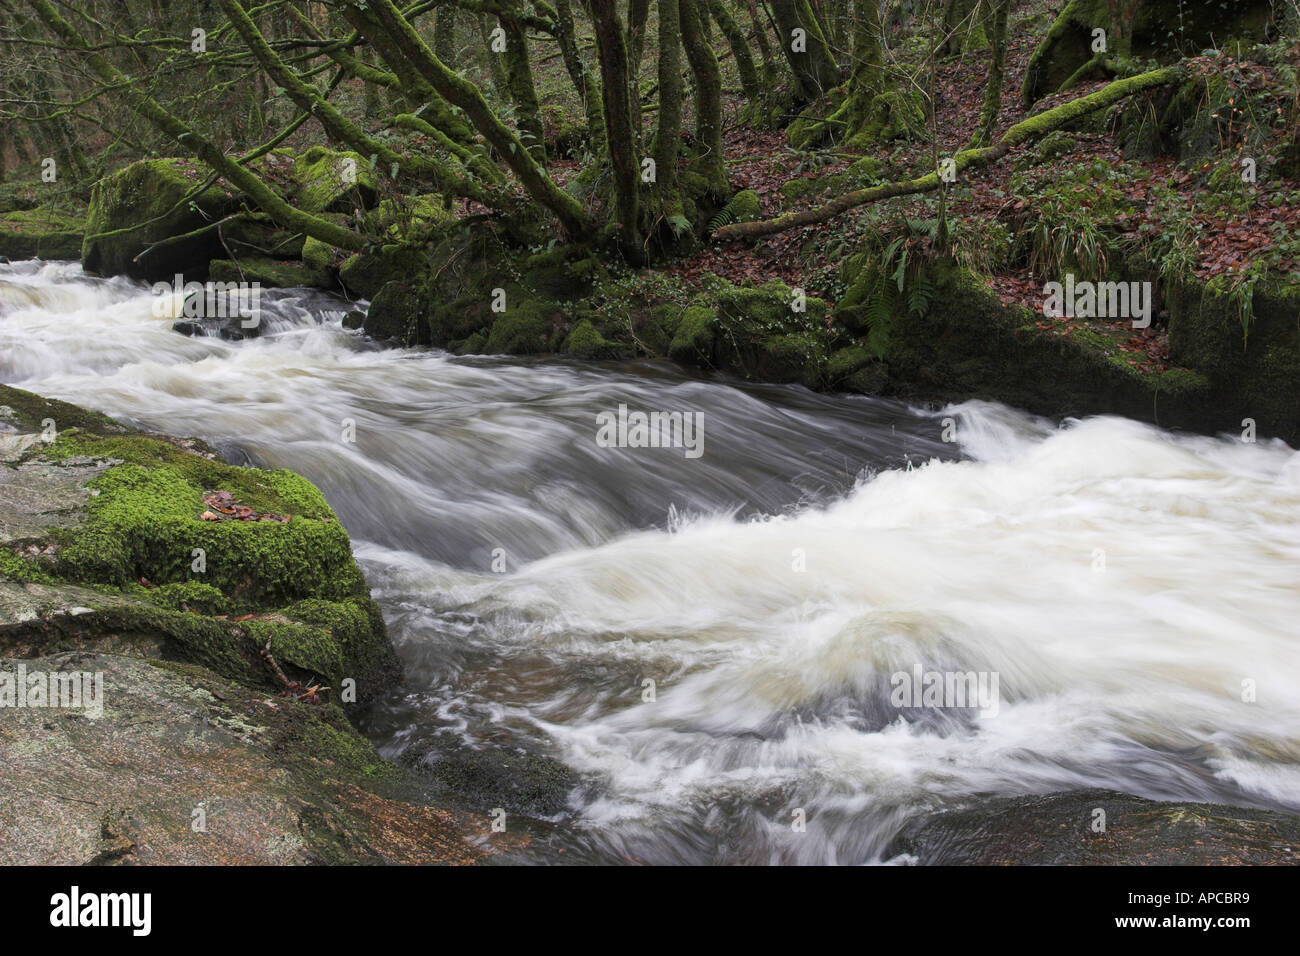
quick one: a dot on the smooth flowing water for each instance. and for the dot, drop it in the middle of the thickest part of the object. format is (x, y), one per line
(1126, 586)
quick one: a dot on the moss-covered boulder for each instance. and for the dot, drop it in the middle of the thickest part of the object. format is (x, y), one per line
(407, 218)
(318, 258)
(585, 341)
(365, 273)
(269, 273)
(398, 313)
(526, 328)
(771, 333)
(52, 231)
(145, 203)
(1248, 348)
(1160, 29)
(327, 180)
(163, 530)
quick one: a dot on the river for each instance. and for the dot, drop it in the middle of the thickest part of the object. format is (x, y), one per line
(1121, 583)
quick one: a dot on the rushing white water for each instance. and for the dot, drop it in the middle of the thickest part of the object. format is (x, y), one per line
(1120, 581)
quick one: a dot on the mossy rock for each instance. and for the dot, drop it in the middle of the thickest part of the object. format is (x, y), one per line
(282, 782)
(407, 218)
(517, 782)
(364, 274)
(798, 189)
(892, 115)
(585, 341)
(565, 272)
(140, 205)
(969, 345)
(1163, 30)
(152, 557)
(525, 328)
(756, 331)
(268, 272)
(398, 313)
(318, 260)
(692, 341)
(1253, 368)
(327, 180)
(745, 206)
(51, 231)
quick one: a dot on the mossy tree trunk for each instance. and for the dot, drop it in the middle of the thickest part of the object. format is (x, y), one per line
(585, 80)
(806, 49)
(615, 75)
(759, 30)
(997, 63)
(523, 91)
(308, 98)
(708, 105)
(668, 136)
(750, 82)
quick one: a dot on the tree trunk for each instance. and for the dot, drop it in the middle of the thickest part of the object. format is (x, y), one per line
(749, 79)
(668, 138)
(993, 90)
(611, 46)
(708, 105)
(523, 92)
(805, 47)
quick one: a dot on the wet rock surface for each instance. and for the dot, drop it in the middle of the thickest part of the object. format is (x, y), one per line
(1059, 829)
(183, 767)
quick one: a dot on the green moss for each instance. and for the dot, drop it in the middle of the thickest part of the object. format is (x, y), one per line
(330, 181)
(142, 204)
(145, 521)
(268, 272)
(1067, 47)
(185, 595)
(693, 339)
(398, 313)
(585, 341)
(796, 189)
(318, 259)
(28, 411)
(523, 329)
(745, 205)
(365, 273)
(46, 232)
(894, 114)
(408, 218)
